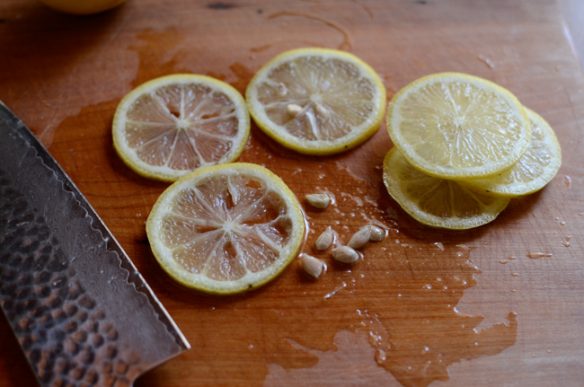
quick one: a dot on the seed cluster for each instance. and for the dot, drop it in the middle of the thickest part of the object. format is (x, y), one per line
(346, 254)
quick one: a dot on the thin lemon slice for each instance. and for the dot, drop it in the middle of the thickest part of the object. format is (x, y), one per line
(437, 202)
(171, 125)
(537, 167)
(456, 126)
(317, 101)
(226, 228)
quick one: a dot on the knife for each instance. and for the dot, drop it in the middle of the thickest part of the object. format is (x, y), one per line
(80, 310)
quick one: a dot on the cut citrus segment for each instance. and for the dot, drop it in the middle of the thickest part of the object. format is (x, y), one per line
(437, 202)
(317, 101)
(226, 228)
(171, 125)
(537, 167)
(457, 126)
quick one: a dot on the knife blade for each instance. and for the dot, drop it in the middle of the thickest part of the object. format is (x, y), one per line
(79, 308)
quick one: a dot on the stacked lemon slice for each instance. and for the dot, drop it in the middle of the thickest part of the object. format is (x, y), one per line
(463, 147)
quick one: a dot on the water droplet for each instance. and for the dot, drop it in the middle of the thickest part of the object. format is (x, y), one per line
(566, 241)
(427, 286)
(332, 293)
(426, 349)
(487, 61)
(539, 255)
(568, 181)
(380, 356)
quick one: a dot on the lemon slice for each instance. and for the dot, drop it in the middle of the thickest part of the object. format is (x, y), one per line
(437, 202)
(171, 125)
(226, 228)
(317, 101)
(537, 167)
(85, 7)
(456, 126)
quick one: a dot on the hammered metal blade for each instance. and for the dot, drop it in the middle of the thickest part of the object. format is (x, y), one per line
(82, 313)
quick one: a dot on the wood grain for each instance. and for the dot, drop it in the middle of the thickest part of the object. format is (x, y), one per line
(455, 308)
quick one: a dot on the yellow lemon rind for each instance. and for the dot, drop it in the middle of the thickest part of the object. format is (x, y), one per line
(128, 155)
(317, 148)
(492, 186)
(459, 173)
(394, 189)
(248, 282)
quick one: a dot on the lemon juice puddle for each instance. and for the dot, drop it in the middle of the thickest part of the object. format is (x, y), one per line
(401, 316)
(398, 307)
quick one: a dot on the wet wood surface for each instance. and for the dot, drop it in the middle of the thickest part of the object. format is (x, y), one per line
(424, 306)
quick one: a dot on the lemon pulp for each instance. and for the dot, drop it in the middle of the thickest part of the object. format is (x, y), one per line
(458, 126)
(171, 125)
(226, 228)
(317, 101)
(536, 167)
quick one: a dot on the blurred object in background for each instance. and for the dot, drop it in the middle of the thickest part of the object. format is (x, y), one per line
(82, 7)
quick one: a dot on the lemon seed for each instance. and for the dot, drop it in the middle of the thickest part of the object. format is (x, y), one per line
(326, 239)
(318, 200)
(312, 266)
(293, 109)
(345, 254)
(377, 234)
(360, 238)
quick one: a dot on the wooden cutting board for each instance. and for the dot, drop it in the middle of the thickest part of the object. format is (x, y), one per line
(455, 308)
